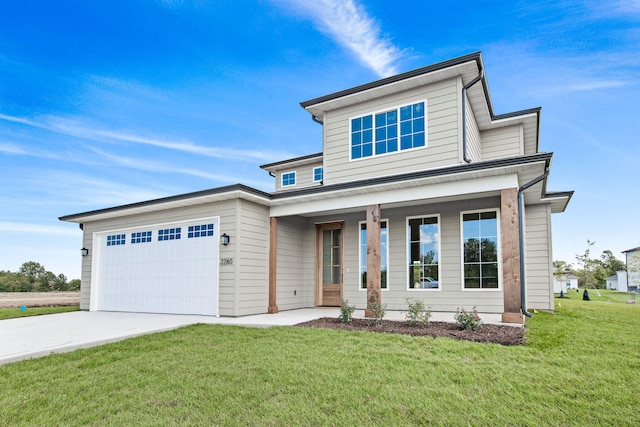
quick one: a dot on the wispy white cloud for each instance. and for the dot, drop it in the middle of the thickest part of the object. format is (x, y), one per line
(596, 84)
(349, 24)
(82, 130)
(25, 227)
(8, 148)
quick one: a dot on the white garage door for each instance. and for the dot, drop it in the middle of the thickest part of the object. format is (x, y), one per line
(163, 268)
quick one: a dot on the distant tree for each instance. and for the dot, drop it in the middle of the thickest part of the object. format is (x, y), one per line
(561, 267)
(33, 270)
(586, 262)
(74, 285)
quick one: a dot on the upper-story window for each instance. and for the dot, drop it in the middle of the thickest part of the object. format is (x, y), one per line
(318, 174)
(288, 179)
(402, 128)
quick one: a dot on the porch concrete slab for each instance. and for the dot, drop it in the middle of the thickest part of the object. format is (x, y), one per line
(37, 336)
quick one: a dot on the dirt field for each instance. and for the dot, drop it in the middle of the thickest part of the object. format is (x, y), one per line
(38, 299)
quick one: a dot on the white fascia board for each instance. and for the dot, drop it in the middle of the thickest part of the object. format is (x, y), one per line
(349, 200)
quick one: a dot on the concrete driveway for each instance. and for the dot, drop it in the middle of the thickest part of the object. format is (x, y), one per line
(38, 336)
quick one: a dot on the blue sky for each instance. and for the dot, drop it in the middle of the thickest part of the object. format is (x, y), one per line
(104, 103)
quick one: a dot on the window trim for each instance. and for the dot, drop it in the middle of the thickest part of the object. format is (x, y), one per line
(408, 253)
(313, 173)
(385, 110)
(498, 255)
(295, 179)
(360, 288)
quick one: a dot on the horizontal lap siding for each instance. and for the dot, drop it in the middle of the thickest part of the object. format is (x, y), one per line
(501, 143)
(539, 281)
(442, 136)
(253, 259)
(225, 210)
(473, 135)
(290, 264)
(304, 177)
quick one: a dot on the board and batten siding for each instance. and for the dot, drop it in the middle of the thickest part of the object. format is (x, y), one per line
(442, 149)
(304, 177)
(502, 143)
(252, 262)
(225, 210)
(539, 261)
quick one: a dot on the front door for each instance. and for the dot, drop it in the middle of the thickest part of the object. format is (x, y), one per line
(329, 264)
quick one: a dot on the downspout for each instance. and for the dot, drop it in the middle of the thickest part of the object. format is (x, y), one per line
(523, 305)
(465, 155)
(317, 120)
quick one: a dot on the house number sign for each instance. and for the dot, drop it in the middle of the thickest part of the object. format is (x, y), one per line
(226, 261)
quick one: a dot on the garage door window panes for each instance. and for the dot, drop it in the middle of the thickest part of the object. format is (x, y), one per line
(169, 234)
(203, 230)
(116, 240)
(141, 237)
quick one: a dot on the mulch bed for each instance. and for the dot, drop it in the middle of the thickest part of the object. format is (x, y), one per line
(497, 334)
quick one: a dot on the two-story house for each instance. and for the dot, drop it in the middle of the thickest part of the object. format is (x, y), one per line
(420, 191)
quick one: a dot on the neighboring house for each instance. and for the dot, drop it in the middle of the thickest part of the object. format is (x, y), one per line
(420, 191)
(612, 283)
(632, 259)
(564, 282)
(621, 282)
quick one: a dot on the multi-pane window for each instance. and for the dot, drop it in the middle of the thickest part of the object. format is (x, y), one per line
(288, 178)
(362, 137)
(169, 234)
(332, 257)
(424, 252)
(141, 237)
(480, 250)
(384, 255)
(203, 230)
(387, 132)
(116, 239)
(318, 174)
(412, 126)
(402, 128)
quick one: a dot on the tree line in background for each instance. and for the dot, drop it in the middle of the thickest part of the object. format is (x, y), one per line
(33, 277)
(594, 271)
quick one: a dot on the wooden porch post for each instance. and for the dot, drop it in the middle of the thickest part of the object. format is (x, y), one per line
(273, 234)
(373, 257)
(509, 221)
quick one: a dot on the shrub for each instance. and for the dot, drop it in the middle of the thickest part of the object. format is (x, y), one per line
(378, 309)
(346, 311)
(417, 313)
(468, 320)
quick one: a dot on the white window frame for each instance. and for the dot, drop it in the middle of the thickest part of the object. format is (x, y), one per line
(360, 257)
(295, 179)
(408, 253)
(385, 110)
(313, 173)
(499, 252)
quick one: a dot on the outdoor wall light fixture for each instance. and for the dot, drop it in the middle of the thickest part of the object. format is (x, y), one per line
(84, 252)
(225, 238)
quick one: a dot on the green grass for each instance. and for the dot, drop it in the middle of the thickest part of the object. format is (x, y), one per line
(580, 366)
(603, 295)
(10, 313)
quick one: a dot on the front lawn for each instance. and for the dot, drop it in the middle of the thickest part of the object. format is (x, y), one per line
(580, 366)
(10, 313)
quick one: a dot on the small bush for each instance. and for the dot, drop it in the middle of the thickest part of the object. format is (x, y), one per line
(468, 320)
(417, 313)
(378, 309)
(346, 311)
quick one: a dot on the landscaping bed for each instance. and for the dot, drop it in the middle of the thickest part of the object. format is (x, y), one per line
(497, 334)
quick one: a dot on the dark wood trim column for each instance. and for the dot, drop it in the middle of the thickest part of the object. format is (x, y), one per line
(509, 223)
(273, 242)
(373, 256)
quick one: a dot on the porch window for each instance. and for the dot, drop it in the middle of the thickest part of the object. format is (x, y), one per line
(480, 250)
(423, 236)
(288, 179)
(318, 174)
(384, 255)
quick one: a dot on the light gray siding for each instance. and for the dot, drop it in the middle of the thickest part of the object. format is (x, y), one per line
(304, 177)
(502, 142)
(225, 210)
(252, 266)
(539, 270)
(473, 134)
(442, 135)
(291, 291)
